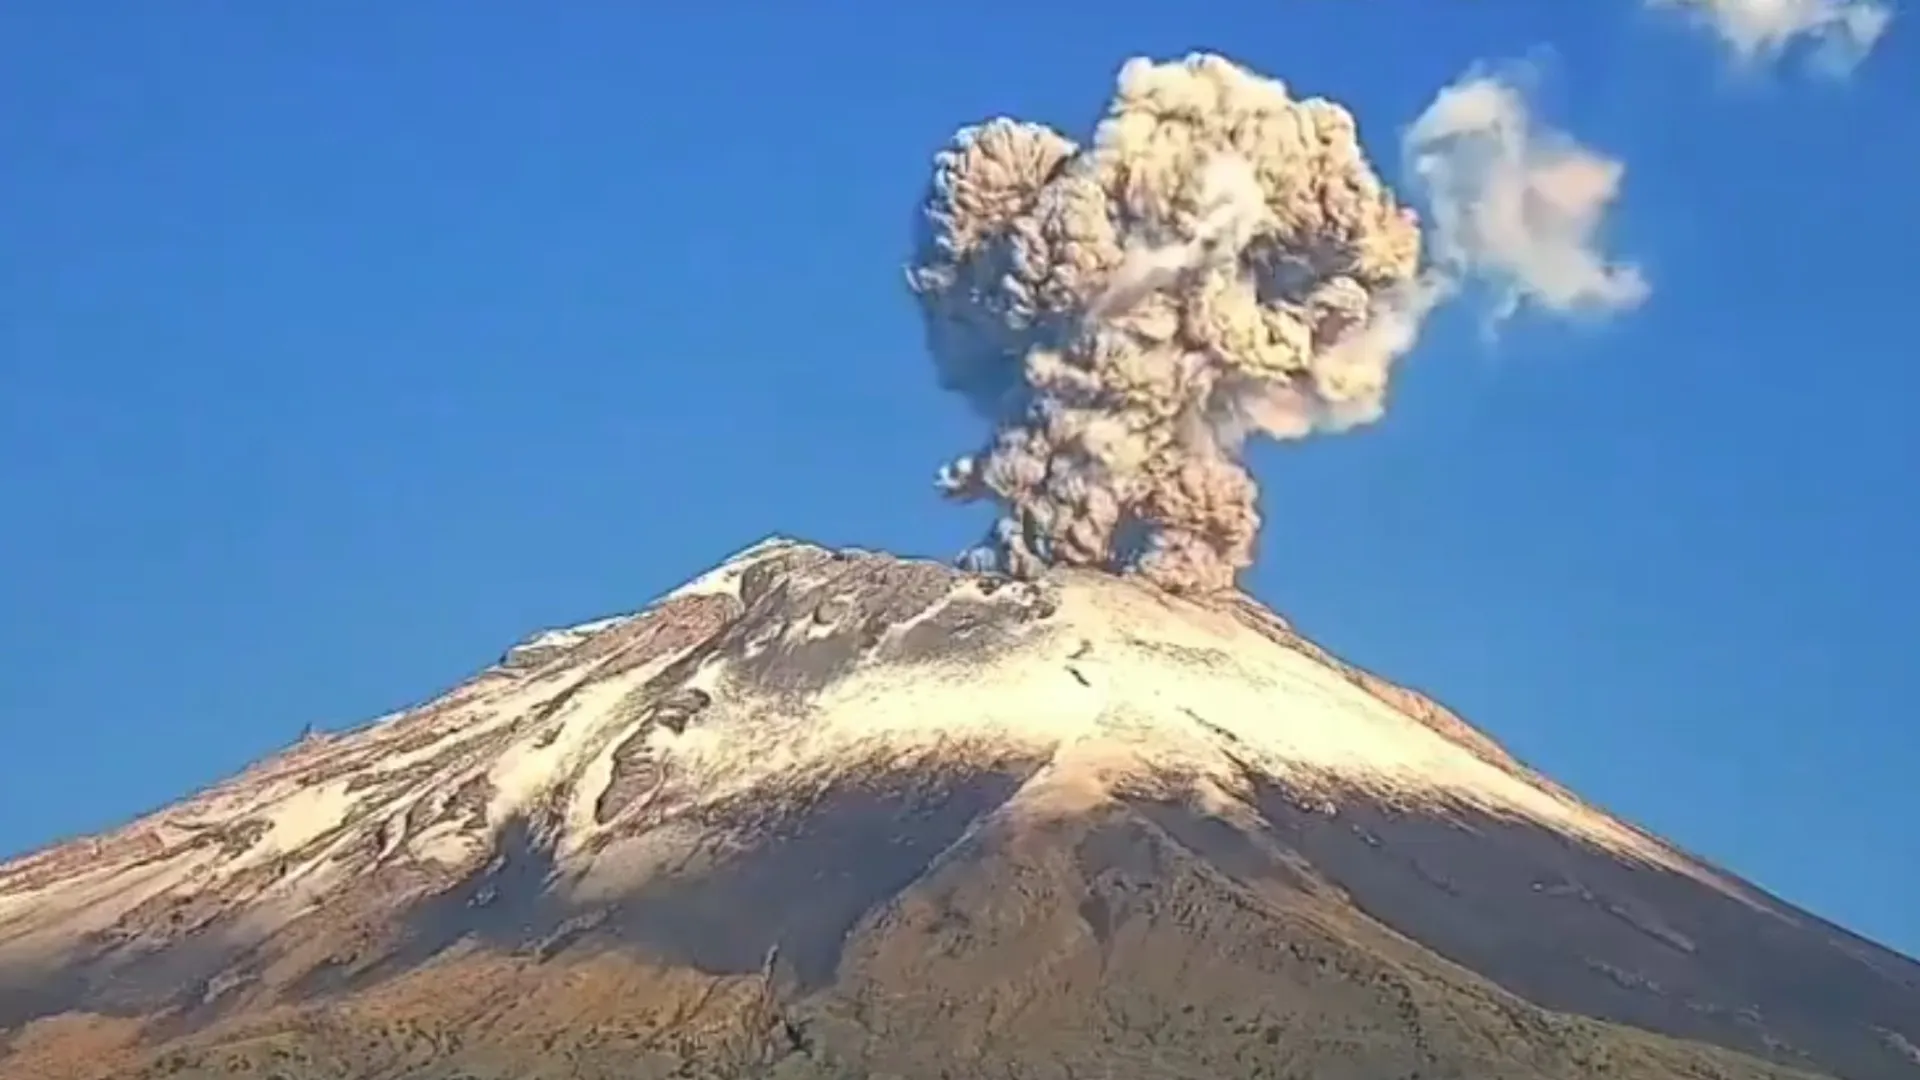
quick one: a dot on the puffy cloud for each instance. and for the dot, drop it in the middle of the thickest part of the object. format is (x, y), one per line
(1516, 205)
(1841, 32)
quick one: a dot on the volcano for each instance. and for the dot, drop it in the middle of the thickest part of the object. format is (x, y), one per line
(829, 813)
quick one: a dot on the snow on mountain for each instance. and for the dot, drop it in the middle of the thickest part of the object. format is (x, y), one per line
(623, 740)
(812, 788)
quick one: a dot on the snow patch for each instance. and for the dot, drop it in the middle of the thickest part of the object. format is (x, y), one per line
(302, 817)
(531, 768)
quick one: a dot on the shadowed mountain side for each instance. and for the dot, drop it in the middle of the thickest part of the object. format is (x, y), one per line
(1580, 930)
(785, 904)
(1140, 935)
(1062, 948)
(816, 867)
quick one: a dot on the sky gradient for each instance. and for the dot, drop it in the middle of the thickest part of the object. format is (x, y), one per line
(340, 350)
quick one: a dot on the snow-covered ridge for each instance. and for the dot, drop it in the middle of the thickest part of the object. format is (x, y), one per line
(547, 642)
(721, 580)
(621, 741)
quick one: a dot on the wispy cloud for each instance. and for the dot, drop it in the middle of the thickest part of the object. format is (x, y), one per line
(1515, 204)
(1840, 32)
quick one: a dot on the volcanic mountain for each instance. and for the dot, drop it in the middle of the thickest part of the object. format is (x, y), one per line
(838, 814)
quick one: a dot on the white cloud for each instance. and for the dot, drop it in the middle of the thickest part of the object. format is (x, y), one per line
(1516, 205)
(1841, 32)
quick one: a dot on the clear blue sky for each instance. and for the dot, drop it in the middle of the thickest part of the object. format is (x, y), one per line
(338, 351)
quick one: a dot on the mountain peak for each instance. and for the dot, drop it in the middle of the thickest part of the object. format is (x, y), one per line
(794, 696)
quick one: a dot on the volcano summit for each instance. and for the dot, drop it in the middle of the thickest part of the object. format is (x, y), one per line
(834, 813)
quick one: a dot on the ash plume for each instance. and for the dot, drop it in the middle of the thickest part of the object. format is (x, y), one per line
(1126, 313)
(1219, 262)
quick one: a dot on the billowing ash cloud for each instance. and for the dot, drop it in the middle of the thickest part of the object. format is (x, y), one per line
(1516, 205)
(1219, 262)
(1842, 32)
(1125, 313)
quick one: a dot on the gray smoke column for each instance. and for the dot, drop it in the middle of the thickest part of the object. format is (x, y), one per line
(1220, 261)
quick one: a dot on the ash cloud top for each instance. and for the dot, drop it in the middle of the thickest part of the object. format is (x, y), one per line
(1220, 261)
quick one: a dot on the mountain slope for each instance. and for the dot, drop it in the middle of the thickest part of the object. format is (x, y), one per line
(836, 813)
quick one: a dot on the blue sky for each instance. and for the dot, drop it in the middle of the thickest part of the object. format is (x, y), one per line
(339, 350)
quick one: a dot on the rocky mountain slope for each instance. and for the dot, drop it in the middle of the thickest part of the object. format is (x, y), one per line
(825, 814)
